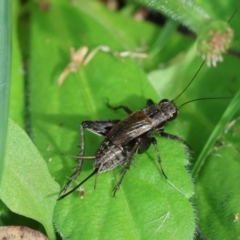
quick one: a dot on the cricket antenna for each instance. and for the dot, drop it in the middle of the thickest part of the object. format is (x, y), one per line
(230, 19)
(203, 63)
(72, 190)
(190, 81)
(199, 99)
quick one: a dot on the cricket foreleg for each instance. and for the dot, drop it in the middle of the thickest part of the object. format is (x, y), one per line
(154, 142)
(173, 137)
(145, 143)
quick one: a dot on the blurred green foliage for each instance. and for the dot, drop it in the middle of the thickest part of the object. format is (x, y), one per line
(147, 206)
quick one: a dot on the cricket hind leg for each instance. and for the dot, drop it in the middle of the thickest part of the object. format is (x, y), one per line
(98, 127)
(80, 161)
(126, 165)
(81, 183)
(73, 176)
(141, 145)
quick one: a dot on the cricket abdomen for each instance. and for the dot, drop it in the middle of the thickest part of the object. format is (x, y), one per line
(109, 156)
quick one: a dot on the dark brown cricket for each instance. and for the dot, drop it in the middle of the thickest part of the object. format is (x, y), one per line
(124, 138)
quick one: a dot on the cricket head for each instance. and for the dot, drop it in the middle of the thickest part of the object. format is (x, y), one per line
(169, 109)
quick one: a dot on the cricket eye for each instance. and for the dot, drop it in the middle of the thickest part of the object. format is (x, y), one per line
(173, 116)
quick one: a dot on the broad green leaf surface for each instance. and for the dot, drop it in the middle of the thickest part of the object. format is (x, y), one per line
(147, 206)
(27, 187)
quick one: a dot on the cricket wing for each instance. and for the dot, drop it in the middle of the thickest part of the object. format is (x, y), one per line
(130, 128)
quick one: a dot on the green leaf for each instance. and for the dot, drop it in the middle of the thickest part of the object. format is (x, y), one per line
(145, 196)
(147, 205)
(27, 187)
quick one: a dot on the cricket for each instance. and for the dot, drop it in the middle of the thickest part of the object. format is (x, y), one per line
(126, 137)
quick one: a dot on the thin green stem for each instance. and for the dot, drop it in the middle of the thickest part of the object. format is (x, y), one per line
(5, 62)
(227, 116)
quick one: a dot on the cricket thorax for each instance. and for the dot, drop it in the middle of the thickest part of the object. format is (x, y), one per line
(161, 113)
